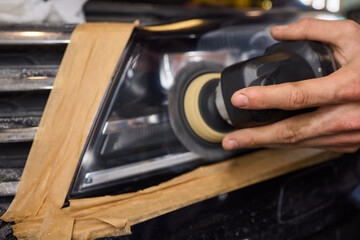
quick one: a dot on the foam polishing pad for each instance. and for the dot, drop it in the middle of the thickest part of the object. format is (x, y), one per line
(193, 114)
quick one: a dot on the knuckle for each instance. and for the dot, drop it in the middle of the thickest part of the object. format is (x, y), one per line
(297, 98)
(248, 141)
(349, 91)
(288, 136)
(303, 25)
(244, 138)
(306, 21)
(351, 26)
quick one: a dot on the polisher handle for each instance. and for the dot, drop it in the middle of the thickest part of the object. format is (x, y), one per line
(283, 62)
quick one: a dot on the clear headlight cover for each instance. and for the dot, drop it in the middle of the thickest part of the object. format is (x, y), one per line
(132, 144)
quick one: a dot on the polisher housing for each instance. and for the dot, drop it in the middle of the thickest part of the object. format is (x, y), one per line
(283, 62)
(204, 114)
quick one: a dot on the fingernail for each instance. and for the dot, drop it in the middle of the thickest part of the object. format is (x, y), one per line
(279, 28)
(240, 100)
(231, 144)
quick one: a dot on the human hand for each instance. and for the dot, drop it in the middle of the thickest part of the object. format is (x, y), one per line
(335, 125)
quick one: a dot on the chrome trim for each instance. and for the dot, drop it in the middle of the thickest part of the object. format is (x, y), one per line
(33, 37)
(126, 124)
(8, 188)
(28, 134)
(117, 173)
(17, 135)
(27, 79)
(19, 114)
(27, 84)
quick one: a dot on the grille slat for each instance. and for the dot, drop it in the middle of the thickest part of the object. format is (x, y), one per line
(19, 79)
(29, 60)
(17, 135)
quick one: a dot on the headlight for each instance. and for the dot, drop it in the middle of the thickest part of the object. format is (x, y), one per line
(133, 141)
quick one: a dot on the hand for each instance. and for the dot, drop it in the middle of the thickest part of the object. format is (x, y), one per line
(335, 125)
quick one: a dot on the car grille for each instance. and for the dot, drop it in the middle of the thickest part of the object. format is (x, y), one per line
(29, 60)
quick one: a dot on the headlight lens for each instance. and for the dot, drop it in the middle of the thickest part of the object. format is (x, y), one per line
(132, 141)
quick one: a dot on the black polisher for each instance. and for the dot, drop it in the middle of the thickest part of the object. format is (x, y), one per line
(200, 106)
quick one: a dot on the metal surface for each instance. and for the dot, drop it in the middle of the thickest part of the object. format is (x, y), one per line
(25, 78)
(33, 38)
(117, 173)
(10, 174)
(29, 60)
(8, 188)
(19, 122)
(35, 34)
(8, 134)
(17, 135)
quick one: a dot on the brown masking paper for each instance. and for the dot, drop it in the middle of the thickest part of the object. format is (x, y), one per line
(83, 78)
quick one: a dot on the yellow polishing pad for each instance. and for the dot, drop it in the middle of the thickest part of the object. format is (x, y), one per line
(192, 111)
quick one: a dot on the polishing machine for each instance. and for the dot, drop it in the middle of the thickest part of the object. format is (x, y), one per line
(200, 100)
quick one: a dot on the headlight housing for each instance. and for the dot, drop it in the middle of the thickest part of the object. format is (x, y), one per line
(132, 145)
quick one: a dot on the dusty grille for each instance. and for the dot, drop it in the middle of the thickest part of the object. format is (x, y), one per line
(29, 60)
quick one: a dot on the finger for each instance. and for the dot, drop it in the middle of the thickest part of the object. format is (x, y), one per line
(341, 149)
(287, 131)
(341, 86)
(347, 149)
(314, 29)
(350, 149)
(345, 139)
(325, 121)
(341, 140)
